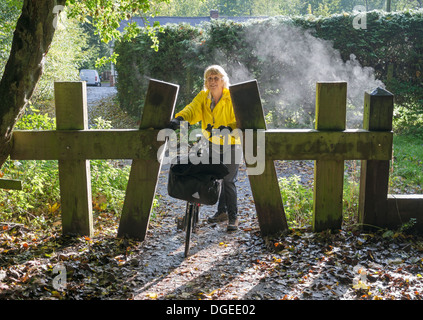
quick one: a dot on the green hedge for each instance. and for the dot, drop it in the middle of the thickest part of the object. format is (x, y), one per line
(174, 62)
(392, 44)
(286, 55)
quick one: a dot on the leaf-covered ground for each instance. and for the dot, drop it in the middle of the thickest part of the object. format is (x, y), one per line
(42, 264)
(238, 265)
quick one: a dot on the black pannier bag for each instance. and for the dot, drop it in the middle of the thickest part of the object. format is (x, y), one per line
(199, 183)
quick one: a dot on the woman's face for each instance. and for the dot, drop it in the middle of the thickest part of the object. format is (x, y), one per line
(214, 82)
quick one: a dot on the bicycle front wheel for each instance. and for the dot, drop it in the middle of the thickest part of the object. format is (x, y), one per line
(189, 217)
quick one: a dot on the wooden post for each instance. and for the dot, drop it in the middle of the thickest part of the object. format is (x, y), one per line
(402, 208)
(158, 110)
(265, 188)
(331, 101)
(74, 175)
(373, 203)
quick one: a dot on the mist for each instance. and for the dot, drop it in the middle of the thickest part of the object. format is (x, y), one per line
(291, 62)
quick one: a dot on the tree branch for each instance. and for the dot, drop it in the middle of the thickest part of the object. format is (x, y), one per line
(31, 41)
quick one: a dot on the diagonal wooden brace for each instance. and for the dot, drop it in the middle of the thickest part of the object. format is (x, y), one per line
(249, 115)
(158, 110)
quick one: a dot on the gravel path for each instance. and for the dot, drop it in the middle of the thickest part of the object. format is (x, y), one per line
(241, 264)
(221, 265)
(96, 94)
(164, 272)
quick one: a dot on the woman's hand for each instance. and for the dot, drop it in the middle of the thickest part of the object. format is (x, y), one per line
(175, 123)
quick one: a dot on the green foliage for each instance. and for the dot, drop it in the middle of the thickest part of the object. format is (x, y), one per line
(297, 198)
(108, 179)
(106, 19)
(176, 60)
(237, 8)
(298, 201)
(390, 45)
(40, 180)
(9, 13)
(69, 51)
(408, 120)
(407, 164)
(39, 201)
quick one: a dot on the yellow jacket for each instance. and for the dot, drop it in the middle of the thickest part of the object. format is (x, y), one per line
(222, 114)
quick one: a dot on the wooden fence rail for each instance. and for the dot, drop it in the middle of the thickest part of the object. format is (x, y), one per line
(72, 144)
(329, 144)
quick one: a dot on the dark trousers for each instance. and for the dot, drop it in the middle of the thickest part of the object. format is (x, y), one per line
(228, 201)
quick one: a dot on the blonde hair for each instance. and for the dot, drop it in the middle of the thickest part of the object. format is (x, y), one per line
(215, 69)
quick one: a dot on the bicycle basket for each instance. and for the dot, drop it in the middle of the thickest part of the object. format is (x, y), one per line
(199, 183)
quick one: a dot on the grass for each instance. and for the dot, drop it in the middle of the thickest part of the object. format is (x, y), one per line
(407, 164)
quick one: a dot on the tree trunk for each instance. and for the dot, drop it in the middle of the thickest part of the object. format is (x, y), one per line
(31, 42)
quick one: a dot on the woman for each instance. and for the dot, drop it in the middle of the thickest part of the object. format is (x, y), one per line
(213, 106)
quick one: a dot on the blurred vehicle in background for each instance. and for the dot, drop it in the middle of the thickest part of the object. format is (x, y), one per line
(91, 77)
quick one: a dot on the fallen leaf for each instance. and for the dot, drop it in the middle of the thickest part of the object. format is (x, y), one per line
(151, 295)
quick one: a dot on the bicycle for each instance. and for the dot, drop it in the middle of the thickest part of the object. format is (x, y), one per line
(188, 223)
(197, 184)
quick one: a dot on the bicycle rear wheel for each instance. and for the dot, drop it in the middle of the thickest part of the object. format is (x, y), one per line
(189, 218)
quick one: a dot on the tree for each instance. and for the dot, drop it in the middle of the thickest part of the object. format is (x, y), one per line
(9, 13)
(32, 38)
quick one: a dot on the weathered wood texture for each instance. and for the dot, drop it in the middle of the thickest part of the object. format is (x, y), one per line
(74, 175)
(374, 178)
(309, 144)
(403, 208)
(292, 144)
(331, 103)
(157, 112)
(10, 184)
(329, 144)
(265, 188)
(84, 144)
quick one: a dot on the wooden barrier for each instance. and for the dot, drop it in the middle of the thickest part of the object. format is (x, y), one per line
(402, 208)
(158, 110)
(329, 144)
(72, 144)
(10, 184)
(249, 115)
(331, 108)
(74, 174)
(373, 204)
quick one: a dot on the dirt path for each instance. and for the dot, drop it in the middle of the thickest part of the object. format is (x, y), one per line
(222, 265)
(243, 265)
(347, 264)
